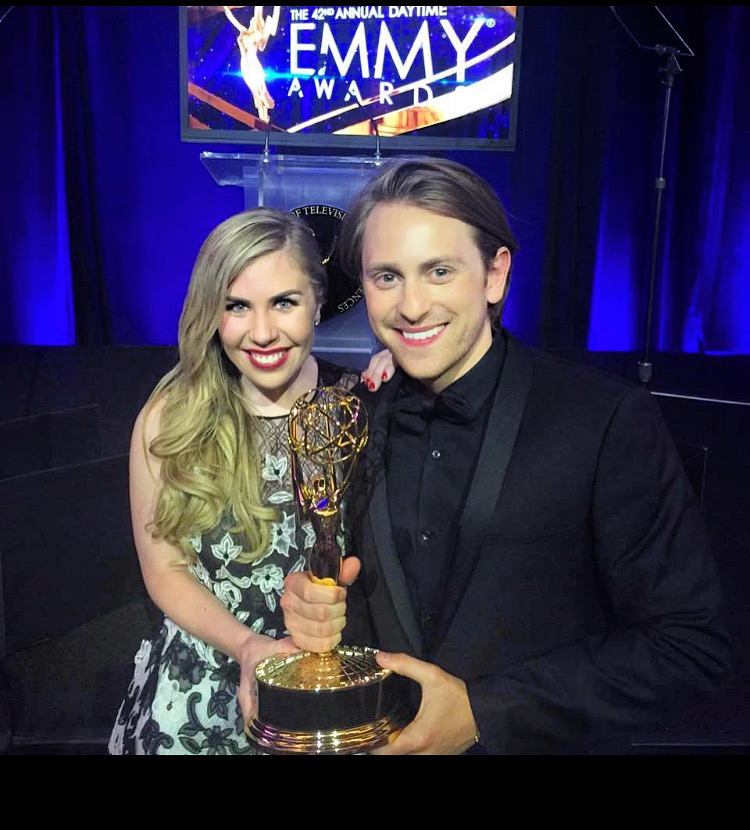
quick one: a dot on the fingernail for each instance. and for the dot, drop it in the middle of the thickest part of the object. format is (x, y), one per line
(370, 385)
(384, 376)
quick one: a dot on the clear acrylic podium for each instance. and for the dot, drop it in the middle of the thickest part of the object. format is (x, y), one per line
(294, 183)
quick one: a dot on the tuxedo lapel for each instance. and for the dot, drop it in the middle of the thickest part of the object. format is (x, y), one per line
(497, 446)
(380, 520)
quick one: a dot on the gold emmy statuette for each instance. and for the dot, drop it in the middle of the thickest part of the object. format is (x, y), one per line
(341, 702)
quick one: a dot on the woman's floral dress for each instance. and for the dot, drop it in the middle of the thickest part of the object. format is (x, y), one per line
(182, 699)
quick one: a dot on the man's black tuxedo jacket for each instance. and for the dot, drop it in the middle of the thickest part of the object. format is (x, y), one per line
(582, 594)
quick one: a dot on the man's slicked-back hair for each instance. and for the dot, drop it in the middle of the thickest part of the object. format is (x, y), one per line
(438, 185)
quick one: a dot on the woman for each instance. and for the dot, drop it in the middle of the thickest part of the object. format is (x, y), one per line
(212, 502)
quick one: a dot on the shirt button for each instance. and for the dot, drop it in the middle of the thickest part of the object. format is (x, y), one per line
(436, 454)
(426, 535)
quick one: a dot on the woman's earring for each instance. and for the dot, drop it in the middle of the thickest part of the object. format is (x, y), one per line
(317, 319)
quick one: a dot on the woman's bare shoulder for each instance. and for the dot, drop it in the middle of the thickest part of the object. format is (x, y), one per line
(147, 425)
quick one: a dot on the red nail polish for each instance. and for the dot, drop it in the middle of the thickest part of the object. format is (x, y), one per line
(384, 376)
(370, 385)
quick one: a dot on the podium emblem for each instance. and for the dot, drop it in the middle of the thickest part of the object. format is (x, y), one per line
(325, 223)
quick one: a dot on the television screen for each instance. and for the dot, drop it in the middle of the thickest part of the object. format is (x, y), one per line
(416, 77)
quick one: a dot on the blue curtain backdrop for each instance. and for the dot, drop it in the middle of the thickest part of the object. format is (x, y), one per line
(103, 208)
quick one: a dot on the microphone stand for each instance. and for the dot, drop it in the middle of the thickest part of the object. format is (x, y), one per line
(668, 71)
(374, 126)
(672, 67)
(267, 142)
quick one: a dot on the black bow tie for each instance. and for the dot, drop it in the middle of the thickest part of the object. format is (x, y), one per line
(413, 412)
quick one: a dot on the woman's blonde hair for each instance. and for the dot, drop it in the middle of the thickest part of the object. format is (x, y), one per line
(210, 465)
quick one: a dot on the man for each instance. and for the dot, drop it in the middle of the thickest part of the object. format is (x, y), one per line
(532, 555)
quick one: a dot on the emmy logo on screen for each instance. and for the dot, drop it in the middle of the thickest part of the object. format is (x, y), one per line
(342, 701)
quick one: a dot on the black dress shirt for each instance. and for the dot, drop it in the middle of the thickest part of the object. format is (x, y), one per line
(428, 474)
